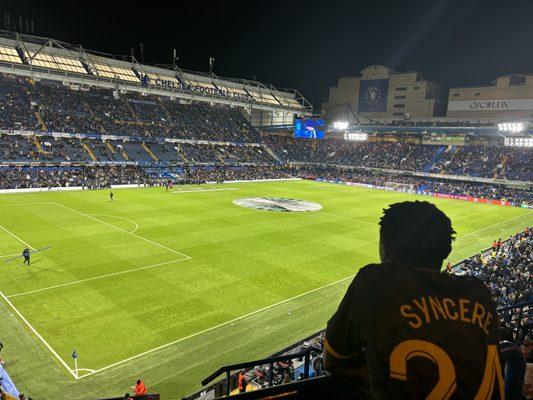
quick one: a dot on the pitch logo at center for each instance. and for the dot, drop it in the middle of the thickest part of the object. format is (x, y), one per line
(277, 204)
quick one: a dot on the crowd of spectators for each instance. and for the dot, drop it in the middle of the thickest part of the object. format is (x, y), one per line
(386, 155)
(49, 149)
(214, 153)
(16, 148)
(97, 177)
(91, 177)
(506, 268)
(27, 148)
(417, 183)
(62, 109)
(16, 110)
(29, 105)
(490, 162)
(476, 161)
(82, 110)
(198, 175)
(101, 176)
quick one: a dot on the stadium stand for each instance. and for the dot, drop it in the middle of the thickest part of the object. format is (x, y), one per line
(417, 184)
(62, 109)
(97, 177)
(57, 150)
(74, 176)
(148, 121)
(475, 161)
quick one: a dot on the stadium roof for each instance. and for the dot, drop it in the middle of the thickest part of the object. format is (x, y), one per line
(46, 58)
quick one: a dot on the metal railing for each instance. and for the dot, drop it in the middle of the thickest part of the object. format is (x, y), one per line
(270, 361)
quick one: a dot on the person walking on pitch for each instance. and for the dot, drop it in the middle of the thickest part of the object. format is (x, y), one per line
(111, 195)
(26, 255)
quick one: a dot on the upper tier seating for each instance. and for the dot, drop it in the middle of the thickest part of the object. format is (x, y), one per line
(50, 106)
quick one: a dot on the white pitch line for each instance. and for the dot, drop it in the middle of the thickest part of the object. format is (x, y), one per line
(94, 278)
(125, 231)
(83, 369)
(218, 326)
(493, 225)
(16, 237)
(116, 216)
(26, 204)
(56, 355)
(201, 190)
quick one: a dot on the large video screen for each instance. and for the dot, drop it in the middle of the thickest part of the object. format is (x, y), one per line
(309, 128)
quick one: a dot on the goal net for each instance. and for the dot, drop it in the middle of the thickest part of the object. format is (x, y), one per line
(400, 187)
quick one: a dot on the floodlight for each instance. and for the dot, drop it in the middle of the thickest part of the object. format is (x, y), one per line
(511, 127)
(356, 136)
(340, 125)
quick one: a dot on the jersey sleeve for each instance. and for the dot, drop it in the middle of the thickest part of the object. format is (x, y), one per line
(345, 328)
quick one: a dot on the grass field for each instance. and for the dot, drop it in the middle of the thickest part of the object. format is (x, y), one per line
(170, 286)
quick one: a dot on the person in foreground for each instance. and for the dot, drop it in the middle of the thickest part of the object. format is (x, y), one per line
(140, 388)
(409, 330)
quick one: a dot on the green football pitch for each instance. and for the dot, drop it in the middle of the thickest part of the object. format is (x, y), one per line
(169, 286)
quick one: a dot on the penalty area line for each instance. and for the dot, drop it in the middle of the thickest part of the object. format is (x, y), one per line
(16, 237)
(26, 204)
(216, 326)
(124, 230)
(123, 218)
(94, 278)
(38, 335)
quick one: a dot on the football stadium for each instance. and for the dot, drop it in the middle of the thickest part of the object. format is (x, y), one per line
(174, 234)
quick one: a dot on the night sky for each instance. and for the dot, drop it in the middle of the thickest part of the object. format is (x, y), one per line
(305, 45)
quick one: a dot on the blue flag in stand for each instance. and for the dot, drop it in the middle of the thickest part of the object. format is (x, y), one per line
(7, 384)
(74, 354)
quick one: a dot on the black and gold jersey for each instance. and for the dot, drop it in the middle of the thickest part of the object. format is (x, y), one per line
(422, 333)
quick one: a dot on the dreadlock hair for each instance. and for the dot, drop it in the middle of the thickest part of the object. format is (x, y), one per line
(416, 232)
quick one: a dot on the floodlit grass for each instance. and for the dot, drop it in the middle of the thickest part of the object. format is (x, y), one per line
(169, 287)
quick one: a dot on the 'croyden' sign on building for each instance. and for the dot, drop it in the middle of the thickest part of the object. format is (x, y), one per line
(491, 105)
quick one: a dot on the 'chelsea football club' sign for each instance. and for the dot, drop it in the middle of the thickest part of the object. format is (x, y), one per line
(171, 84)
(373, 95)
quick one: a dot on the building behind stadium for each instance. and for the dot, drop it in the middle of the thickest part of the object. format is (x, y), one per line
(507, 97)
(379, 93)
